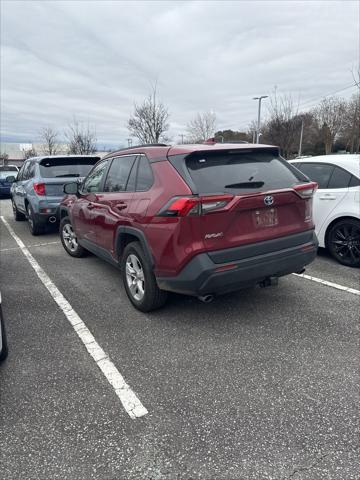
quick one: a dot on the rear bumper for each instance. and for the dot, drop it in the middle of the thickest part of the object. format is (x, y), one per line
(46, 209)
(200, 276)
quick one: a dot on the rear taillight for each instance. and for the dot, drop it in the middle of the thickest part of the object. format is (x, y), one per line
(190, 206)
(39, 188)
(306, 190)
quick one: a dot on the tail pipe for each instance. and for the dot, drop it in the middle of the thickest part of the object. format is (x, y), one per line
(206, 298)
(52, 219)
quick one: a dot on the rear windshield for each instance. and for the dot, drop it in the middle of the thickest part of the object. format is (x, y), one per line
(8, 173)
(239, 172)
(66, 167)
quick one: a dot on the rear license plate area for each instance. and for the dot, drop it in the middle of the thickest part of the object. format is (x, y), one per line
(266, 218)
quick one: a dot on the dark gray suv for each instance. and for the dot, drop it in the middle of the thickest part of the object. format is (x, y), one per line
(38, 189)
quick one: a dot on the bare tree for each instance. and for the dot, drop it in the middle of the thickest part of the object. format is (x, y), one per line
(283, 126)
(149, 122)
(30, 152)
(49, 139)
(330, 114)
(81, 138)
(3, 158)
(202, 127)
(350, 130)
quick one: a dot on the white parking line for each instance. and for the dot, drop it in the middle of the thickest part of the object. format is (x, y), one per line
(329, 284)
(30, 246)
(128, 398)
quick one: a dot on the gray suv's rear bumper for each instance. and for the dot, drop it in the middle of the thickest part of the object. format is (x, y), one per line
(277, 258)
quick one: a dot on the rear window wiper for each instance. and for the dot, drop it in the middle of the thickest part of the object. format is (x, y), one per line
(245, 185)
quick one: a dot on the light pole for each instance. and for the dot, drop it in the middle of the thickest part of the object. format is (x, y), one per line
(301, 138)
(259, 112)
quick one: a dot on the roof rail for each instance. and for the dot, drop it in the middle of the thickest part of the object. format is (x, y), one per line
(213, 141)
(123, 149)
(150, 145)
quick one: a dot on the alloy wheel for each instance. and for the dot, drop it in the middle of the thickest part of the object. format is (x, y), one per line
(135, 277)
(345, 242)
(30, 218)
(69, 237)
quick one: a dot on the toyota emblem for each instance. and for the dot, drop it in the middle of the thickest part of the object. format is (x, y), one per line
(268, 200)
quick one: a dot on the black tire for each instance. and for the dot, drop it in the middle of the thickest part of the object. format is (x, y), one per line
(69, 239)
(4, 350)
(144, 292)
(35, 227)
(18, 216)
(343, 242)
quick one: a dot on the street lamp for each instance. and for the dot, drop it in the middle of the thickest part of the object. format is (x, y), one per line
(259, 111)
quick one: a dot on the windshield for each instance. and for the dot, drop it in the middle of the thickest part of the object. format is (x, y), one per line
(66, 167)
(236, 171)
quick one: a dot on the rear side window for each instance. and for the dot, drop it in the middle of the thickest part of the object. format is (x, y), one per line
(66, 167)
(237, 171)
(119, 173)
(354, 181)
(318, 172)
(31, 171)
(340, 178)
(25, 172)
(145, 176)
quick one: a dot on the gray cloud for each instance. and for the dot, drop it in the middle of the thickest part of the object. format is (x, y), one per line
(94, 59)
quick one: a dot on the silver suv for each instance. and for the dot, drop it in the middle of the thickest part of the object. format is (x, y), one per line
(38, 189)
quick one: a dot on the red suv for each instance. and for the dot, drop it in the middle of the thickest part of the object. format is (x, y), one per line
(194, 219)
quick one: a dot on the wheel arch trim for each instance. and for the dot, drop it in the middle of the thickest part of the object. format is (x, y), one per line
(120, 236)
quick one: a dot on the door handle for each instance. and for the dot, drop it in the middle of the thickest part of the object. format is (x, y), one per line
(328, 197)
(121, 206)
(90, 206)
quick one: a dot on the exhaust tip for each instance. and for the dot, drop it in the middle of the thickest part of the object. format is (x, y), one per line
(52, 219)
(206, 298)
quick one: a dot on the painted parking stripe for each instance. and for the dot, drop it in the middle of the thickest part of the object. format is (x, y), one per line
(329, 284)
(128, 398)
(30, 246)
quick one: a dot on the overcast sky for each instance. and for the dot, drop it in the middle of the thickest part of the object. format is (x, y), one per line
(94, 59)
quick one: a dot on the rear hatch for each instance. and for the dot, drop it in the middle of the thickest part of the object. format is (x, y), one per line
(57, 171)
(246, 196)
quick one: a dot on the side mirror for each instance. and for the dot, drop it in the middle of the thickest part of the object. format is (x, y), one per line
(71, 188)
(10, 179)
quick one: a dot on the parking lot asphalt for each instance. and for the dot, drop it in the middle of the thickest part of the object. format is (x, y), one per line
(260, 384)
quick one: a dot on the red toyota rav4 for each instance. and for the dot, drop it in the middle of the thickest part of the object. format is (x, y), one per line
(194, 219)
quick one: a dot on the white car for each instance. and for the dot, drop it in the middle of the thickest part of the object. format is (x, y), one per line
(336, 204)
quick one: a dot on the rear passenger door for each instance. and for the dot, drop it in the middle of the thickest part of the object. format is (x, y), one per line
(113, 204)
(21, 189)
(141, 199)
(333, 185)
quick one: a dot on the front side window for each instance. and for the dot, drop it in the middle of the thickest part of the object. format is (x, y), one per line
(318, 172)
(93, 182)
(118, 174)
